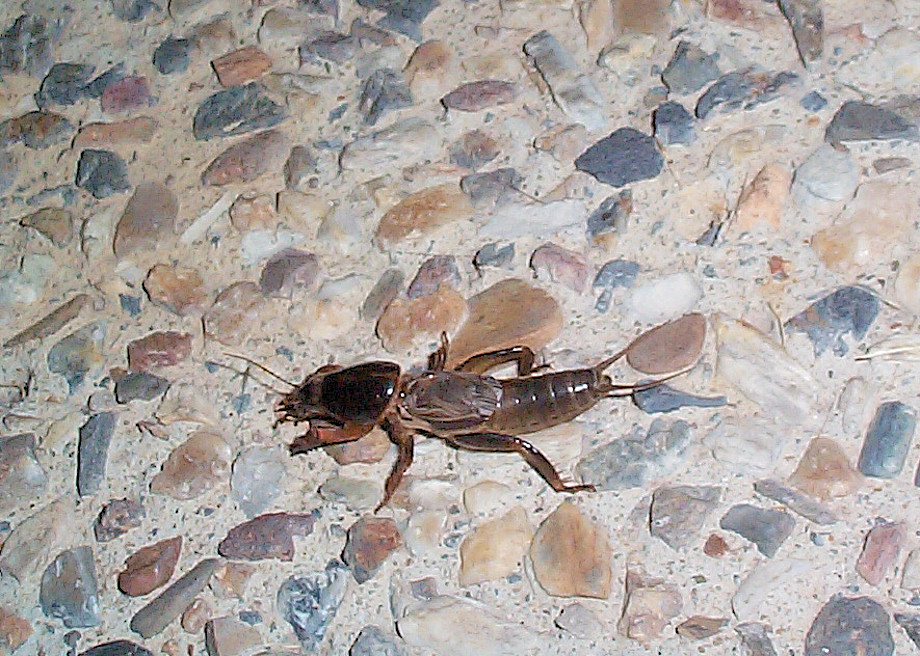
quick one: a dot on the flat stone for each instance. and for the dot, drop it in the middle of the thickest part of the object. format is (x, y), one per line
(494, 549)
(664, 398)
(490, 189)
(102, 173)
(494, 254)
(509, 313)
(173, 55)
(51, 322)
(850, 625)
(672, 346)
(159, 613)
(824, 471)
(179, 289)
(828, 173)
(623, 157)
(127, 94)
(248, 159)
(36, 540)
(636, 459)
(241, 66)
(159, 349)
(861, 121)
(27, 45)
(236, 110)
(37, 130)
(329, 45)
(266, 536)
(673, 124)
(150, 567)
(806, 17)
(560, 265)
(422, 213)
(700, 627)
(137, 130)
(432, 273)
(690, 69)
(14, 631)
(888, 440)
(64, 84)
(228, 636)
(403, 17)
(234, 314)
(571, 555)
(309, 603)
(382, 294)
(849, 311)
(54, 223)
(370, 542)
(371, 448)
(762, 201)
(149, 219)
(77, 354)
(385, 90)
(405, 321)
(580, 622)
(289, 271)
(678, 513)
(474, 150)
(258, 474)
(22, 478)
(650, 604)
(116, 518)
(95, 436)
(795, 501)
(881, 550)
(193, 467)
(766, 528)
(69, 589)
(910, 622)
(483, 94)
(405, 142)
(742, 90)
(767, 577)
(373, 641)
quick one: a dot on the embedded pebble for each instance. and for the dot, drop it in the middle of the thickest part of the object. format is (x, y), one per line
(309, 603)
(888, 440)
(910, 622)
(95, 436)
(373, 641)
(382, 294)
(54, 223)
(861, 121)
(228, 636)
(664, 398)
(847, 311)
(38, 130)
(405, 142)
(623, 157)
(116, 518)
(36, 540)
(579, 621)
(148, 219)
(495, 548)
(404, 17)
(127, 94)
(866, 631)
(763, 200)
(404, 321)
(742, 90)
(673, 124)
(179, 289)
(64, 84)
(22, 478)
(432, 273)
(476, 96)
(491, 189)
(560, 265)
(571, 555)
(266, 536)
(258, 474)
(474, 150)
(665, 298)
(159, 349)
(485, 497)
(881, 550)
(233, 315)
(236, 110)
(287, 271)
(300, 168)
(700, 627)
(169, 604)
(650, 604)
(14, 631)
(138, 130)
(611, 216)
(795, 501)
(824, 471)
(27, 45)
(672, 346)
(373, 447)
(766, 528)
(829, 173)
(690, 69)
(370, 542)
(767, 576)
(423, 212)
(193, 467)
(150, 567)
(807, 20)
(494, 254)
(678, 513)
(357, 494)
(173, 55)
(248, 159)
(241, 66)
(69, 591)
(102, 173)
(384, 91)
(77, 354)
(755, 638)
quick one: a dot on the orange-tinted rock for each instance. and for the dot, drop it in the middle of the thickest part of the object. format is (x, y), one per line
(159, 349)
(231, 580)
(178, 289)
(149, 218)
(194, 467)
(672, 346)
(370, 541)
(762, 201)
(250, 212)
(370, 448)
(825, 471)
(650, 604)
(641, 16)
(266, 536)
(509, 313)
(53, 222)
(229, 636)
(196, 615)
(241, 66)
(423, 212)
(248, 159)
(476, 96)
(700, 627)
(715, 546)
(571, 555)
(880, 551)
(234, 314)
(133, 130)
(495, 548)
(150, 567)
(14, 631)
(405, 319)
(430, 59)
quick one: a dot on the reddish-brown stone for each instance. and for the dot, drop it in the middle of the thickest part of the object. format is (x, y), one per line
(370, 541)
(159, 349)
(266, 536)
(127, 94)
(241, 66)
(150, 567)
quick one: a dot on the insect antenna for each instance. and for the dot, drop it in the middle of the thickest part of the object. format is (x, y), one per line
(262, 367)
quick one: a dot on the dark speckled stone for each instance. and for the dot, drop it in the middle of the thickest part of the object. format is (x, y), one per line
(888, 440)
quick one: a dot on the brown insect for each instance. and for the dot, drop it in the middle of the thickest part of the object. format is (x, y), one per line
(463, 406)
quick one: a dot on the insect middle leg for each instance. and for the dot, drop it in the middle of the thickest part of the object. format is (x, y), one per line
(501, 443)
(402, 437)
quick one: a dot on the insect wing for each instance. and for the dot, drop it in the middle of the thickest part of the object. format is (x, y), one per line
(452, 400)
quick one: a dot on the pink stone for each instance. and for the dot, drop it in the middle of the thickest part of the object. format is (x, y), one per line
(476, 96)
(880, 551)
(159, 349)
(128, 93)
(560, 265)
(370, 541)
(248, 159)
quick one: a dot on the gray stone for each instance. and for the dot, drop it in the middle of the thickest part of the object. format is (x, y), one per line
(617, 273)
(433, 272)
(862, 121)
(331, 46)
(258, 473)
(494, 254)
(664, 398)
(847, 311)
(796, 501)
(102, 173)
(95, 436)
(755, 640)
(308, 603)
(612, 215)
(236, 110)
(673, 124)
(910, 622)
(27, 46)
(888, 440)
(173, 55)
(64, 84)
(636, 459)
(766, 528)
(300, 167)
(37, 130)
(742, 90)
(624, 156)
(828, 173)
(288, 271)
(96, 87)
(403, 16)
(850, 625)
(384, 291)
(678, 513)
(22, 477)
(117, 648)
(373, 641)
(116, 518)
(384, 91)
(690, 69)
(77, 353)
(9, 170)
(169, 604)
(140, 385)
(806, 17)
(491, 189)
(813, 101)
(69, 589)
(133, 11)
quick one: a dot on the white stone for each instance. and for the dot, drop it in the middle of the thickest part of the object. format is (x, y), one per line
(486, 496)
(259, 245)
(665, 298)
(516, 220)
(910, 580)
(827, 174)
(769, 577)
(258, 473)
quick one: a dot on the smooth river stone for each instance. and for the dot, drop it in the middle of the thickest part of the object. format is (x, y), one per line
(150, 567)
(672, 346)
(22, 477)
(194, 467)
(247, 160)
(824, 471)
(495, 548)
(33, 543)
(69, 589)
(423, 212)
(850, 625)
(159, 613)
(888, 440)
(405, 320)
(235, 313)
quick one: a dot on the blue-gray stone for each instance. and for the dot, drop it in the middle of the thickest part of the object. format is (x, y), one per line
(624, 156)
(795, 501)
(328, 7)
(385, 90)
(612, 215)
(27, 46)
(862, 121)
(308, 603)
(847, 311)
(373, 641)
(742, 89)
(64, 84)
(813, 101)
(494, 254)
(173, 55)
(130, 304)
(139, 385)
(910, 622)
(491, 189)
(332, 46)
(888, 440)
(690, 69)
(664, 398)
(857, 625)
(9, 170)
(300, 168)
(76, 354)
(102, 173)
(117, 648)
(169, 604)
(236, 110)
(617, 273)
(673, 124)
(403, 16)
(69, 589)
(132, 11)
(95, 436)
(755, 639)
(96, 87)
(766, 528)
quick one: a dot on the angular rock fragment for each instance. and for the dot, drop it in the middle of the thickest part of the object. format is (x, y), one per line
(193, 467)
(228, 636)
(690, 69)
(405, 142)
(672, 346)
(806, 17)
(116, 518)
(384, 91)
(77, 354)
(50, 323)
(762, 201)
(664, 398)
(850, 625)
(257, 479)
(795, 501)
(571, 555)
(910, 622)
(673, 124)
(95, 436)
(64, 84)
(234, 313)
(824, 471)
(862, 121)
(700, 627)
(54, 223)
(494, 254)
(755, 639)
(127, 94)
(370, 541)
(27, 45)
(14, 630)
(847, 311)
(148, 220)
(36, 130)
(767, 529)
(22, 477)
(767, 577)
(179, 289)
(173, 55)
(650, 604)
(611, 215)
(69, 589)
(36, 540)
(308, 603)
(236, 110)
(159, 613)
(560, 265)
(474, 150)
(102, 173)
(159, 349)
(742, 89)
(476, 96)
(423, 212)
(881, 550)
(150, 567)
(495, 548)
(432, 273)
(623, 157)
(888, 440)
(266, 536)
(129, 131)
(678, 513)
(372, 641)
(403, 17)
(490, 189)
(384, 291)
(287, 271)
(241, 66)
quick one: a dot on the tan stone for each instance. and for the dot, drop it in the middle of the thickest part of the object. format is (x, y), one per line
(669, 347)
(907, 285)
(14, 631)
(429, 60)
(194, 467)
(509, 313)
(228, 636)
(426, 317)
(762, 201)
(370, 448)
(423, 212)
(149, 218)
(234, 314)
(824, 471)
(196, 615)
(597, 20)
(178, 289)
(641, 16)
(650, 604)
(129, 131)
(571, 555)
(231, 579)
(241, 66)
(247, 160)
(253, 212)
(54, 223)
(495, 549)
